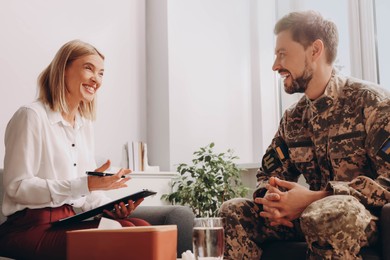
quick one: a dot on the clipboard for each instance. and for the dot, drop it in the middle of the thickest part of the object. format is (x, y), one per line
(108, 206)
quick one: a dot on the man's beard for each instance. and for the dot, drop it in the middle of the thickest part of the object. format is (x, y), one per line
(299, 85)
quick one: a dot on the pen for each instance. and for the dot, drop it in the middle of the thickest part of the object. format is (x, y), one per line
(101, 174)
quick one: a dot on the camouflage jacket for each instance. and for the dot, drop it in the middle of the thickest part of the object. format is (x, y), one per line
(340, 142)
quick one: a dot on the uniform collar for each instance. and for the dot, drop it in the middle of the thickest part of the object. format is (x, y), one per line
(331, 93)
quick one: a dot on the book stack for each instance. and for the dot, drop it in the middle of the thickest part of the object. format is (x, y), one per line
(137, 159)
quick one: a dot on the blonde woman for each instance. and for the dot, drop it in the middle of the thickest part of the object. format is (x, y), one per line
(49, 145)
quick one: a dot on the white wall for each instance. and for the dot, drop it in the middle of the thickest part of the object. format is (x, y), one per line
(209, 77)
(32, 32)
(211, 58)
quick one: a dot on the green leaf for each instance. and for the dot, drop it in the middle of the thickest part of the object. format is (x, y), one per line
(210, 180)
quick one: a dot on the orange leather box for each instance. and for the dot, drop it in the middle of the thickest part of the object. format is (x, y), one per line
(138, 243)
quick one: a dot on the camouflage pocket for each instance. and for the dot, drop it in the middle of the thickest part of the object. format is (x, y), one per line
(346, 146)
(303, 158)
(348, 157)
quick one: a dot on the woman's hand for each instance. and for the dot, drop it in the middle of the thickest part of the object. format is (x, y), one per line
(108, 182)
(121, 211)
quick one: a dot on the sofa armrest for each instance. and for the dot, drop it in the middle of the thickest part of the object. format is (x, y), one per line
(385, 230)
(182, 216)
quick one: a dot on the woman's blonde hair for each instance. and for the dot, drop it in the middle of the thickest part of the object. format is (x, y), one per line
(51, 81)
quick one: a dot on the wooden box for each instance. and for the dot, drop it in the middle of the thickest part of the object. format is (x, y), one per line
(138, 243)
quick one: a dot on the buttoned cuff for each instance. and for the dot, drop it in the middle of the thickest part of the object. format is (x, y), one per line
(79, 187)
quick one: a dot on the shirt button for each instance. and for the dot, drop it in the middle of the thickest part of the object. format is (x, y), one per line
(74, 164)
(73, 145)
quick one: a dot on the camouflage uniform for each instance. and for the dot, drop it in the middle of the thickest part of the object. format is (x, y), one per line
(340, 142)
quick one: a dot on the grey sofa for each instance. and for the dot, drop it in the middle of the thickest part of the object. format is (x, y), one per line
(182, 216)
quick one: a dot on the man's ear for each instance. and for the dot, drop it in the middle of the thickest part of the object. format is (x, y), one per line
(317, 49)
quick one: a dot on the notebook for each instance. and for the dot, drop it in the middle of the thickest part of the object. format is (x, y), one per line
(108, 206)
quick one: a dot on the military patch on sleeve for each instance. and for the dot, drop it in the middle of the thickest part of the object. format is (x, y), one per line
(386, 147)
(271, 161)
(384, 151)
(281, 149)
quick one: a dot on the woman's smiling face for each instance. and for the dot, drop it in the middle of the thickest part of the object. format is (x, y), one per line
(83, 77)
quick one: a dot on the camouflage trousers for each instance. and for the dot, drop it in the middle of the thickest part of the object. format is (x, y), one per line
(335, 227)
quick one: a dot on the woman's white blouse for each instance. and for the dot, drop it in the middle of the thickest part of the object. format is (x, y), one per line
(46, 160)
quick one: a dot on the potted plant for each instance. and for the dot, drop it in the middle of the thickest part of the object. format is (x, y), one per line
(205, 185)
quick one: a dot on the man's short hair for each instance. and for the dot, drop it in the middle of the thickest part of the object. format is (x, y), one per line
(308, 26)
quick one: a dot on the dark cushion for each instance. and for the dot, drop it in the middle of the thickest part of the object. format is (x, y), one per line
(2, 217)
(385, 231)
(281, 250)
